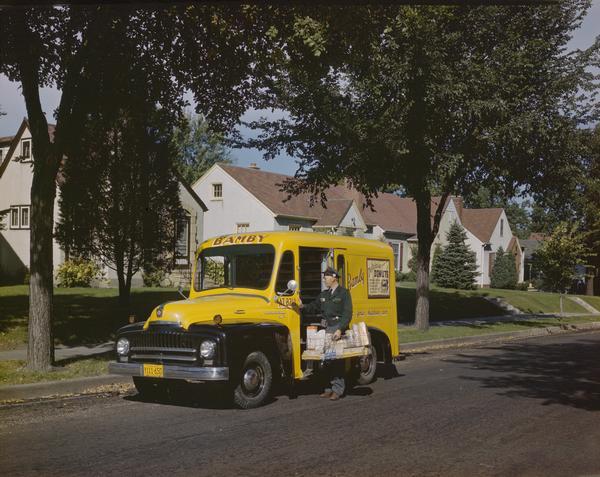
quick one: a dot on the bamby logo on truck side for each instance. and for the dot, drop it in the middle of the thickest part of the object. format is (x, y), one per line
(238, 325)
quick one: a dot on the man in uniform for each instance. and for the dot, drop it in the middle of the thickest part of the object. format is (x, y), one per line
(335, 305)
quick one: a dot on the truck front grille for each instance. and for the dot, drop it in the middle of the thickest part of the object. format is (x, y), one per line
(165, 347)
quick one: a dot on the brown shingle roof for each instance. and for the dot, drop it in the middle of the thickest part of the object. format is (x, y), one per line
(6, 140)
(264, 186)
(392, 213)
(481, 222)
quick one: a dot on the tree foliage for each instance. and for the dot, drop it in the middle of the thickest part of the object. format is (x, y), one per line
(197, 147)
(558, 255)
(211, 50)
(504, 273)
(122, 175)
(456, 265)
(416, 97)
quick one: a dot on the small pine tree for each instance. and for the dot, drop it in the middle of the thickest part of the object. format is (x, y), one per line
(504, 273)
(456, 265)
(435, 262)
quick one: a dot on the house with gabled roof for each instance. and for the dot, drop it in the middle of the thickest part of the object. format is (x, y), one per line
(247, 199)
(16, 175)
(487, 230)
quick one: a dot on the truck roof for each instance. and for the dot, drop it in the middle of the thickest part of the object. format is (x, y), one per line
(307, 239)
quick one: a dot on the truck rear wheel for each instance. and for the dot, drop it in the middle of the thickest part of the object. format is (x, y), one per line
(367, 368)
(255, 381)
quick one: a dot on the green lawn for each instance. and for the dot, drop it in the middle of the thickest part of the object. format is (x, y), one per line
(14, 372)
(444, 305)
(82, 315)
(411, 335)
(449, 304)
(592, 300)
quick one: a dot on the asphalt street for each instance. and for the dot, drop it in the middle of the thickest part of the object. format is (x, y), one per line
(524, 408)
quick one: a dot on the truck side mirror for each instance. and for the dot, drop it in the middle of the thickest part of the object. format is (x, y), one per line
(180, 291)
(292, 285)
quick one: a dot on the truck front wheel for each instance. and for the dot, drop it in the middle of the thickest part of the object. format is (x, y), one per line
(255, 381)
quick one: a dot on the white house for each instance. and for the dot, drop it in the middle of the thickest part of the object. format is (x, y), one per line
(16, 175)
(247, 199)
(487, 231)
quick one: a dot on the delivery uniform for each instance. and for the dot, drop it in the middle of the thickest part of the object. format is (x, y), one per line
(336, 310)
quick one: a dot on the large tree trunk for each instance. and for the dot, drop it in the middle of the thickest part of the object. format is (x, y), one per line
(40, 347)
(40, 350)
(425, 238)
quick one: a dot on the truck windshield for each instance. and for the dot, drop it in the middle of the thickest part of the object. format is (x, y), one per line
(244, 266)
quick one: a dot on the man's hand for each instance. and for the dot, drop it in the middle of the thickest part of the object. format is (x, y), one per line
(337, 335)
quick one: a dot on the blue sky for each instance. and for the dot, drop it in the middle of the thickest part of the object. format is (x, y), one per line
(12, 103)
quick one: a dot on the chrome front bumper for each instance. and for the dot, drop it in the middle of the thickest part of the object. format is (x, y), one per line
(172, 372)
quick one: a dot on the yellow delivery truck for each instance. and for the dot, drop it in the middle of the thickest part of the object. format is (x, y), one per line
(238, 326)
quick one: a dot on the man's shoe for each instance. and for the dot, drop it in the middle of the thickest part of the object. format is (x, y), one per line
(327, 394)
(334, 397)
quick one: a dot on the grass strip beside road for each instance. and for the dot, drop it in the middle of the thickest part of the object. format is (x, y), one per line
(82, 316)
(409, 334)
(14, 371)
(451, 304)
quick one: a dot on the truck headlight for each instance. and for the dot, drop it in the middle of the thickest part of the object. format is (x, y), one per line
(207, 349)
(122, 346)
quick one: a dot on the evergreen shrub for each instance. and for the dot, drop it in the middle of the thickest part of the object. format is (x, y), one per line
(504, 273)
(455, 265)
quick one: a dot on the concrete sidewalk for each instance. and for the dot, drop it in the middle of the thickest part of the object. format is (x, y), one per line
(61, 352)
(497, 319)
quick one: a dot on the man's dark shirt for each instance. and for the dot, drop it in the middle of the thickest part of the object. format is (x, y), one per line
(336, 308)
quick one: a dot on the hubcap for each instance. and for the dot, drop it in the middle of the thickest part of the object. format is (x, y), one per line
(366, 363)
(252, 380)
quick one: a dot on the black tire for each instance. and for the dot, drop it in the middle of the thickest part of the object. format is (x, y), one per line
(367, 368)
(255, 381)
(151, 388)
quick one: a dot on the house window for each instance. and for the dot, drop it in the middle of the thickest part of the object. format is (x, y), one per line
(14, 217)
(501, 227)
(182, 246)
(26, 149)
(217, 191)
(24, 217)
(242, 228)
(396, 249)
(401, 257)
(294, 228)
(19, 217)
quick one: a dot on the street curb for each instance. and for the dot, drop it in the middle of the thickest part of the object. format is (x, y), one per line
(47, 389)
(421, 346)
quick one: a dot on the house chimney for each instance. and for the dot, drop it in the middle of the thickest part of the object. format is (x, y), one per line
(253, 166)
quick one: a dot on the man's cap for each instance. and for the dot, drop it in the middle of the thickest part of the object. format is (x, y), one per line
(331, 271)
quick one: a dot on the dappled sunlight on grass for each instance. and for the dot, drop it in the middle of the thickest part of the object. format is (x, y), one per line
(14, 372)
(81, 315)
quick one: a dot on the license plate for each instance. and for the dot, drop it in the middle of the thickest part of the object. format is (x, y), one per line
(153, 370)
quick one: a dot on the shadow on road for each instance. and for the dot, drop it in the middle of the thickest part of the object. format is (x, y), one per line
(212, 396)
(567, 374)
